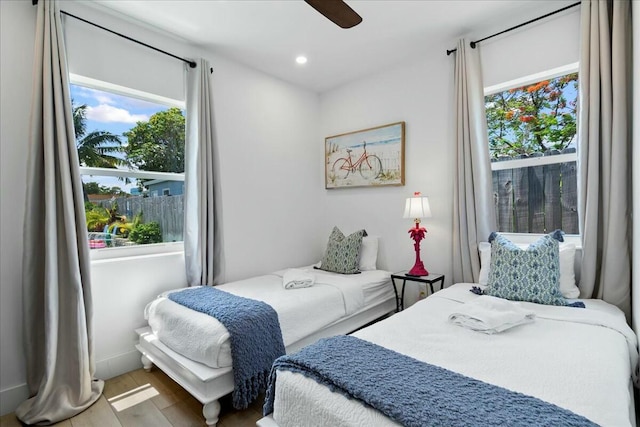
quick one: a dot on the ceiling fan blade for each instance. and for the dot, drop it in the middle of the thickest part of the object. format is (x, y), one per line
(337, 11)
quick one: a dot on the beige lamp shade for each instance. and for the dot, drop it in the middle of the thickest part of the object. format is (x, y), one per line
(417, 207)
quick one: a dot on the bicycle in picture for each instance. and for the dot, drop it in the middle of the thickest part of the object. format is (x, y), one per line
(369, 165)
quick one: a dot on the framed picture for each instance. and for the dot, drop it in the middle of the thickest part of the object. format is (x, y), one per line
(366, 158)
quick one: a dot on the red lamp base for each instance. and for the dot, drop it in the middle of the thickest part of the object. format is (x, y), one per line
(417, 234)
(418, 270)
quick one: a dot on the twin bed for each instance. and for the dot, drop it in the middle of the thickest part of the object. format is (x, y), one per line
(193, 348)
(576, 359)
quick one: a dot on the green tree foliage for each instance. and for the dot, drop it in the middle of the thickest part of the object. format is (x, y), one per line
(532, 119)
(146, 233)
(98, 148)
(158, 145)
(95, 188)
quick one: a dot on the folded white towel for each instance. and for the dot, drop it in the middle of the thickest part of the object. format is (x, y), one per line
(491, 315)
(295, 278)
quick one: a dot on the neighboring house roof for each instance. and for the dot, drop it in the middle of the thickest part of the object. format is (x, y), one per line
(155, 181)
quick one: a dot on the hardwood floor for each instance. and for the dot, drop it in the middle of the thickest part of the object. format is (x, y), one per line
(141, 399)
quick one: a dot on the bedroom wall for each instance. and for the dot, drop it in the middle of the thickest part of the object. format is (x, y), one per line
(541, 46)
(264, 127)
(420, 93)
(17, 26)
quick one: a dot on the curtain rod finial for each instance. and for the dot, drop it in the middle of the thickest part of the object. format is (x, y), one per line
(192, 64)
(34, 2)
(473, 45)
(450, 51)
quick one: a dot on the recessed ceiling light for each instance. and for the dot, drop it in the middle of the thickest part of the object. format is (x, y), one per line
(301, 59)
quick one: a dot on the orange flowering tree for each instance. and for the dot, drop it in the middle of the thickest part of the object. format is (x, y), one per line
(536, 118)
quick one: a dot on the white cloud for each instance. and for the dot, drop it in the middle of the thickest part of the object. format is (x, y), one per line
(109, 114)
(103, 98)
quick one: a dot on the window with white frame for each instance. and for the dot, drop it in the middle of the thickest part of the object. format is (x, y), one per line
(532, 131)
(130, 146)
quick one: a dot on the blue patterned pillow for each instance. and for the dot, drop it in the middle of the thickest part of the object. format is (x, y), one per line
(342, 252)
(526, 275)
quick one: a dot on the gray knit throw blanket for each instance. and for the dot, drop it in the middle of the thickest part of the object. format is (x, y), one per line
(414, 393)
(256, 339)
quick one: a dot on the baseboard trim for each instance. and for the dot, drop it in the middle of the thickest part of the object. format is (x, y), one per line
(11, 397)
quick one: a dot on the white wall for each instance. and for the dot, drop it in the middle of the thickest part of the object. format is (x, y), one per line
(270, 194)
(17, 31)
(98, 54)
(541, 46)
(421, 94)
(121, 288)
(271, 200)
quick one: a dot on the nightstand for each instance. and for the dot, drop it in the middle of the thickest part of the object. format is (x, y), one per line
(428, 280)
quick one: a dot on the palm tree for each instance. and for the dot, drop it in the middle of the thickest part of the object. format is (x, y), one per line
(97, 148)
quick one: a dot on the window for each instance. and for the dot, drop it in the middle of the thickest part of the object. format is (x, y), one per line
(131, 148)
(532, 143)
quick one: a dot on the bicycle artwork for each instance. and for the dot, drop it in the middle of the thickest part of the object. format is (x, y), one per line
(369, 165)
(371, 157)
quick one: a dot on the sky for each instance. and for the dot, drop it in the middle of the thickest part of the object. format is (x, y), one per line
(112, 113)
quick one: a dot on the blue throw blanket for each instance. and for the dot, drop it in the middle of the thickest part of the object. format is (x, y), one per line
(415, 393)
(256, 339)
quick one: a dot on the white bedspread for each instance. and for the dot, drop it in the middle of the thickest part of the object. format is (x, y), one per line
(579, 359)
(301, 312)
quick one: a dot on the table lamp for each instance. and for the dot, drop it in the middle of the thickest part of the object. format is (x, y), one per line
(417, 207)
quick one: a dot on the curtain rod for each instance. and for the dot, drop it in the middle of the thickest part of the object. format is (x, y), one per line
(474, 43)
(192, 64)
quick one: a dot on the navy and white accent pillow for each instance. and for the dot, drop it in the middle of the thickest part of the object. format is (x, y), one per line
(531, 274)
(341, 255)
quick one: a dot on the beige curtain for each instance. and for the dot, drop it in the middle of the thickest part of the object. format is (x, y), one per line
(202, 230)
(474, 216)
(57, 307)
(605, 151)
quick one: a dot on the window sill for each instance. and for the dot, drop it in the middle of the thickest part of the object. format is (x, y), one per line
(528, 238)
(125, 253)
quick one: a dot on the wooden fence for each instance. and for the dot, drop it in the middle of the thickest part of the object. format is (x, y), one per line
(168, 211)
(537, 199)
(390, 163)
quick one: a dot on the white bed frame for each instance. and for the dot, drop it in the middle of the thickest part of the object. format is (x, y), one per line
(210, 384)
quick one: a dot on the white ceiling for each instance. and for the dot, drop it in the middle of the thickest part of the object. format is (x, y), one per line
(269, 34)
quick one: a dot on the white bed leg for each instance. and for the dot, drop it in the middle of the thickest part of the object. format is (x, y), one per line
(211, 411)
(146, 363)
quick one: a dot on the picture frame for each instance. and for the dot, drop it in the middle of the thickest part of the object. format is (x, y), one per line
(372, 157)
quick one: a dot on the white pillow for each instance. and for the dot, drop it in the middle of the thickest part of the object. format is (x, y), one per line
(567, 271)
(485, 262)
(368, 257)
(568, 286)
